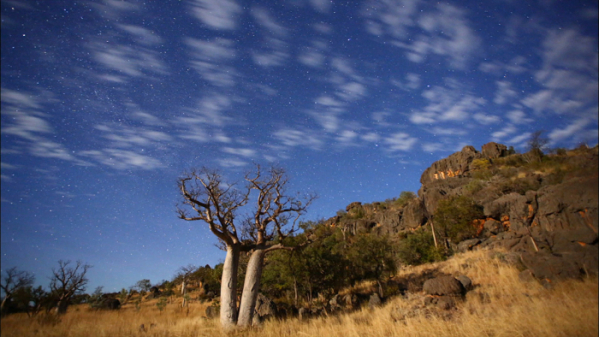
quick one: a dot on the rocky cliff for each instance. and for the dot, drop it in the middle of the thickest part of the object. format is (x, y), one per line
(543, 210)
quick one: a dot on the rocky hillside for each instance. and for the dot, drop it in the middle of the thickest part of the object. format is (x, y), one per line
(542, 207)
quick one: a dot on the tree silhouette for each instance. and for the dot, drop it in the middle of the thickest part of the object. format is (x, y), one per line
(66, 281)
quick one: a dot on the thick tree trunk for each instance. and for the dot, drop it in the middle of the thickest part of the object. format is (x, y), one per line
(251, 287)
(4, 301)
(228, 289)
(61, 307)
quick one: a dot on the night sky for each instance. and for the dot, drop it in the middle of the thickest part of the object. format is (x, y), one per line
(105, 104)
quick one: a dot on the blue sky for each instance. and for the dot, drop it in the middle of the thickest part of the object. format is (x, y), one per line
(106, 103)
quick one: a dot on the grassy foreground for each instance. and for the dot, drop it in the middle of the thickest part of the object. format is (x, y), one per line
(500, 305)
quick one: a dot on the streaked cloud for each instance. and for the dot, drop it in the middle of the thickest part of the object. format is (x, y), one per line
(217, 15)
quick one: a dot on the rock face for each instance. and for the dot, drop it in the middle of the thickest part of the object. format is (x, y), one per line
(456, 165)
(526, 210)
(493, 150)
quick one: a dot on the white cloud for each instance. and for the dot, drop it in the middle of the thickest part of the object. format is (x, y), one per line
(504, 132)
(400, 141)
(447, 103)
(518, 117)
(297, 137)
(273, 51)
(433, 147)
(212, 59)
(371, 137)
(568, 76)
(217, 15)
(122, 159)
(141, 34)
(231, 162)
(486, 119)
(571, 131)
(504, 92)
(248, 153)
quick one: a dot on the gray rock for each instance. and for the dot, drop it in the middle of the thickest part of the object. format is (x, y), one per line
(493, 150)
(443, 285)
(465, 281)
(374, 301)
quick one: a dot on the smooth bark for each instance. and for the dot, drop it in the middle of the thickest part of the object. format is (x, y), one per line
(251, 288)
(228, 288)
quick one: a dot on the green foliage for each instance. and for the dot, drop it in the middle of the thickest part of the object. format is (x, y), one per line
(161, 304)
(356, 213)
(123, 295)
(419, 247)
(143, 285)
(95, 300)
(404, 198)
(455, 214)
(370, 257)
(481, 169)
(341, 213)
(474, 186)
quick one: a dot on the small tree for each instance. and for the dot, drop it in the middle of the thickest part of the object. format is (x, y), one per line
(143, 285)
(455, 215)
(536, 144)
(13, 280)
(371, 258)
(67, 281)
(185, 273)
(161, 304)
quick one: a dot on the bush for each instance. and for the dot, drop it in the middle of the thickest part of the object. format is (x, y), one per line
(474, 186)
(404, 198)
(454, 216)
(419, 247)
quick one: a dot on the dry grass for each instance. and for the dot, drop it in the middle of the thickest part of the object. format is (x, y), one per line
(509, 308)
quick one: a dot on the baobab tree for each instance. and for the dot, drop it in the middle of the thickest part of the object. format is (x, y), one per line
(185, 273)
(67, 281)
(274, 217)
(13, 280)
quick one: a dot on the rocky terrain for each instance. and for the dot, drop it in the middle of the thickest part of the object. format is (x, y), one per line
(543, 209)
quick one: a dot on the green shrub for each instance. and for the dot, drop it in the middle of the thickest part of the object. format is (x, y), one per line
(474, 186)
(418, 247)
(404, 198)
(455, 215)
(356, 213)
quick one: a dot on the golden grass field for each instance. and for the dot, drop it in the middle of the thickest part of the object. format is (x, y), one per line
(512, 308)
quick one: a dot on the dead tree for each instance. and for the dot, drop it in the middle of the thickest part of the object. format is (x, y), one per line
(67, 281)
(13, 280)
(217, 203)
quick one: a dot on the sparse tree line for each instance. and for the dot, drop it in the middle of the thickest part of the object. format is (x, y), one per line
(67, 286)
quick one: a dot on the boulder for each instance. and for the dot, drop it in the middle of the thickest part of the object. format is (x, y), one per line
(265, 307)
(374, 301)
(467, 245)
(493, 150)
(465, 281)
(443, 285)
